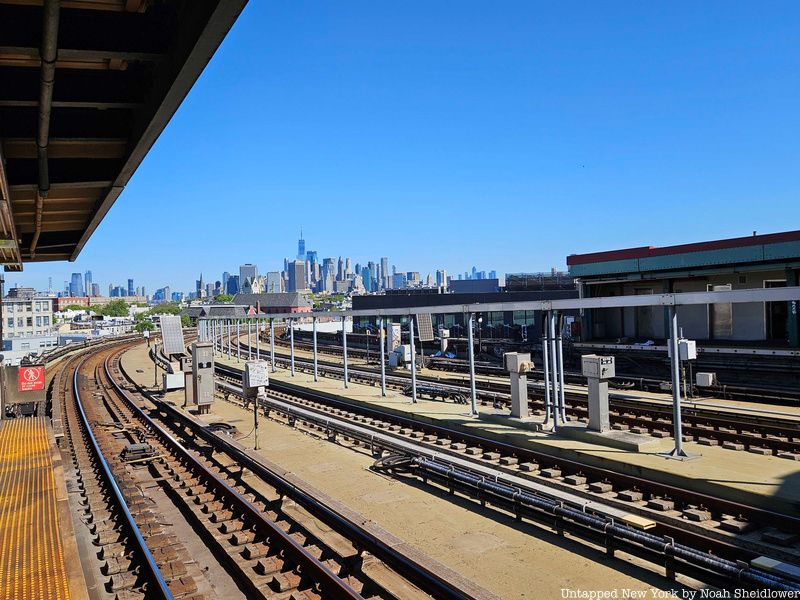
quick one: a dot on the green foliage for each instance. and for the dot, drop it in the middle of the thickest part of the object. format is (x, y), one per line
(75, 307)
(144, 325)
(115, 308)
(185, 322)
(224, 298)
(168, 308)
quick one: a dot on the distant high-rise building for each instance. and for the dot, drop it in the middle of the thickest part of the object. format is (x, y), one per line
(366, 278)
(274, 283)
(110, 289)
(144, 292)
(95, 289)
(347, 267)
(384, 268)
(49, 284)
(328, 274)
(209, 290)
(199, 289)
(131, 289)
(492, 274)
(301, 247)
(398, 281)
(313, 264)
(232, 285)
(87, 282)
(247, 270)
(297, 276)
(441, 278)
(76, 285)
(225, 276)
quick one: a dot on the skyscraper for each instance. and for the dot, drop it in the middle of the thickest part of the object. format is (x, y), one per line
(366, 278)
(274, 284)
(297, 276)
(131, 289)
(384, 273)
(76, 285)
(225, 276)
(301, 247)
(441, 278)
(87, 283)
(199, 287)
(247, 270)
(340, 270)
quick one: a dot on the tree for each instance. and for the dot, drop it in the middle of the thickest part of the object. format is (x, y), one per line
(115, 308)
(75, 307)
(224, 298)
(167, 308)
(143, 325)
(185, 322)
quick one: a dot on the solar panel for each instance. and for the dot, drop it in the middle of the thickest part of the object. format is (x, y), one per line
(172, 334)
(425, 327)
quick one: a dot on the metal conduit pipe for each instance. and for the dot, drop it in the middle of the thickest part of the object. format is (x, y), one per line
(551, 329)
(720, 566)
(48, 54)
(559, 343)
(546, 368)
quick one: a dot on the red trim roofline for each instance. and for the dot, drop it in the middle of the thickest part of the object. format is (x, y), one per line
(648, 251)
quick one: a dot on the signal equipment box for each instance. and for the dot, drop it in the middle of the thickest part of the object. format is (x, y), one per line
(202, 376)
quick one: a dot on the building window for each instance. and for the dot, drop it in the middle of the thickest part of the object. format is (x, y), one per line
(30, 321)
(11, 322)
(46, 320)
(38, 321)
(20, 322)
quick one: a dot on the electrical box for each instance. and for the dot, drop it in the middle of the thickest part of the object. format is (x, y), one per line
(173, 381)
(202, 374)
(254, 376)
(706, 379)
(392, 336)
(594, 366)
(517, 362)
(404, 353)
(687, 349)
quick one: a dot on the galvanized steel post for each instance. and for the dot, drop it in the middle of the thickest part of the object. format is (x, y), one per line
(238, 341)
(291, 343)
(559, 342)
(546, 365)
(383, 357)
(249, 339)
(413, 360)
(272, 343)
(675, 360)
(551, 320)
(258, 339)
(314, 327)
(471, 350)
(229, 338)
(344, 349)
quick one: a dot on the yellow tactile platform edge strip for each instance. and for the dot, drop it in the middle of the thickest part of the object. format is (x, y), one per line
(31, 550)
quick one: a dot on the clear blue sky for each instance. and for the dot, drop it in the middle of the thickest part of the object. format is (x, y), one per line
(451, 133)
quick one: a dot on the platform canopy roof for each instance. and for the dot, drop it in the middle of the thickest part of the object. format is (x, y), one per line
(86, 87)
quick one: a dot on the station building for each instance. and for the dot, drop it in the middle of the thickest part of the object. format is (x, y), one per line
(757, 261)
(264, 304)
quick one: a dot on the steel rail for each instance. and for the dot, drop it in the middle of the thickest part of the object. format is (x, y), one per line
(332, 586)
(154, 573)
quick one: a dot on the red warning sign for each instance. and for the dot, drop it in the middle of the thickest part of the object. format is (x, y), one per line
(31, 379)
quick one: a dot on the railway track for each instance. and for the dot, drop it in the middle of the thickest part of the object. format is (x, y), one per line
(256, 526)
(734, 389)
(736, 430)
(465, 463)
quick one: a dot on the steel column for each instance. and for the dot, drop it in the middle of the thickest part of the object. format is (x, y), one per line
(560, 345)
(249, 340)
(383, 357)
(551, 321)
(314, 327)
(238, 341)
(258, 339)
(546, 365)
(272, 343)
(471, 350)
(344, 349)
(413, 360)
(229, 338)
(291, 343)
(675, 361)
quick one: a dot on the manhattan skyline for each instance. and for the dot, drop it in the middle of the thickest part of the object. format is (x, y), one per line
(416, 134)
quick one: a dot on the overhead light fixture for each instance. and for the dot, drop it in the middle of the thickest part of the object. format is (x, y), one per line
(5, 244)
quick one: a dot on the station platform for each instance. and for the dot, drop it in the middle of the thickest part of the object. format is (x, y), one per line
(768, 482)
(38, 552)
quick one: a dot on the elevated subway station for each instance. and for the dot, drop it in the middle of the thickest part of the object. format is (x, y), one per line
(86, 88)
